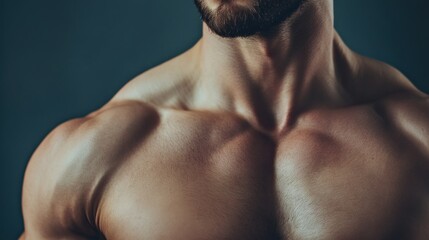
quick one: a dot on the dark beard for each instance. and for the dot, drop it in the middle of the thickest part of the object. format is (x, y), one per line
(238, 21)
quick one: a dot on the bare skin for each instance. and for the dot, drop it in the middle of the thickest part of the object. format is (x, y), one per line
(281, 136)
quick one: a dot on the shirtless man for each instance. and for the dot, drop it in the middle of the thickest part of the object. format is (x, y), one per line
(268, 128)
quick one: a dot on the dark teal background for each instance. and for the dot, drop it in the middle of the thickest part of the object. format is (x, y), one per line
(62, 59)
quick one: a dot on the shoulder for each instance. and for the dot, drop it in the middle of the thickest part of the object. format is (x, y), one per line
(169, 84)
(116, 119)
(67, 172)
(409, 112)
(395, 98)
(101, 132)
(374, 80)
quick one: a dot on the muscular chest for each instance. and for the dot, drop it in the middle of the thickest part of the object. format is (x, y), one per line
(193, 180)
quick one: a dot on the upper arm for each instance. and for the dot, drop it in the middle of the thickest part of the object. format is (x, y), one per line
(47, 201)
(68, 173)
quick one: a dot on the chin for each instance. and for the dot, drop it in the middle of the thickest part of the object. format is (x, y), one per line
(244, 18)
(216, 4)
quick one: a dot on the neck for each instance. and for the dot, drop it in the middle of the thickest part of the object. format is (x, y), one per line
(271, 77)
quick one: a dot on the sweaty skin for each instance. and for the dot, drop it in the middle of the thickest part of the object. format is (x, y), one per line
(287, 135)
